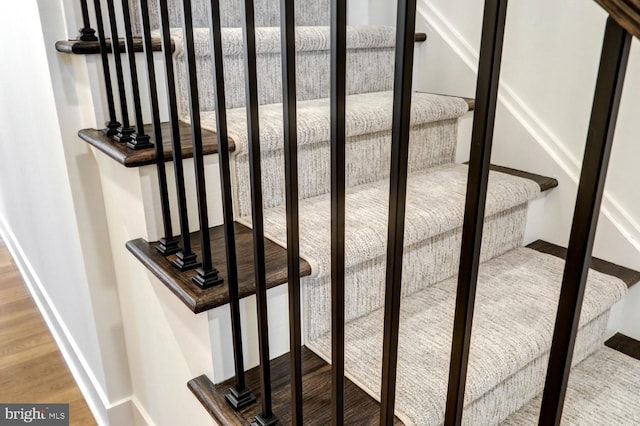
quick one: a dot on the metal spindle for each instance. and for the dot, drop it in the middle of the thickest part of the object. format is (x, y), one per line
(266, 417)
(482, 137)
(168, 244)
(139, 140)
(207, 276)
(125, 131)
(338, 194)
(111, 126)
(397, 202)
(604, 113)
(239, 395)
(288, 38)
(86, 32)
(186, 258)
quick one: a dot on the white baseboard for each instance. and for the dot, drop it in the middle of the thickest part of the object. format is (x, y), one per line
(120, 413)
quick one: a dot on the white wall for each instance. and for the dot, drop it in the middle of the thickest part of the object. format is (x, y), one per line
(51, 212)
(35, 198)
(550, 61)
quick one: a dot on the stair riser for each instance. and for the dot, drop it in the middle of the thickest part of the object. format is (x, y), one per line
(368, 157)
(425, 263)
(502, 401)
(368, 70)
(267, 13)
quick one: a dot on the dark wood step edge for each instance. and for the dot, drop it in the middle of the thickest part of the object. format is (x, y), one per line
(629, 276)
(360, 407)
(199, 300)
(546, 183)
(625, 344)
(205, 391)
(421, 37)
(135, 158)
(80, 47)
(471, 103)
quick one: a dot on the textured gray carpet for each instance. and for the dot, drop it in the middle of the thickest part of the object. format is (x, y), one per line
(603, 390)
(518, 288)
(426, 262)
(369, 64)
(368, 118)
(435, 206)
(513, 324)
(267, 13)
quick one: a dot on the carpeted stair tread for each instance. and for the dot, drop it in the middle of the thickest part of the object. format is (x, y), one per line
(365, 113)
(370, 51)
(433, 140)
(308, 39)
(516, 302)
(435, 204)
(267, 13)
(603, 390)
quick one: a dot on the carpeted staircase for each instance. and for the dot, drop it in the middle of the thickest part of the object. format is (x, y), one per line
(518, 287)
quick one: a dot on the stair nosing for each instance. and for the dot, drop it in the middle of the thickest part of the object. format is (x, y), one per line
(624, 344)
(211, 395)
(128, 157)
(627, 275)
(199, 300)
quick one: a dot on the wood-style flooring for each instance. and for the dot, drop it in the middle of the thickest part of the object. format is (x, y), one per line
(32, 369)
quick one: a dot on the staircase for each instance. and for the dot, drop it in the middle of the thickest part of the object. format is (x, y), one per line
(518, 286)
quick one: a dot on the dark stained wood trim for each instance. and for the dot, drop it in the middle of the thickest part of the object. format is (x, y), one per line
(628, 276)
(625, 344)
(471, 103)
(199, 300)
(546, 183)
(625, 12)
(360, 408)
(136, 158)
(79, 47)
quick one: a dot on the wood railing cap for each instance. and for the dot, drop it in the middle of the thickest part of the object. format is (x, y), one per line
(625, 12)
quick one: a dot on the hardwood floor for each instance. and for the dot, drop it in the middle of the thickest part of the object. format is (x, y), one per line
(32, 369)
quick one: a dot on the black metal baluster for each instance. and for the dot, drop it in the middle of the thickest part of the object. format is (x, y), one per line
(481, 143)
(186, 258)
(168, 244)
(397, 203)
(338, 195)
(111, 126)
(266, 417)
(86, 32)
(239, 395)
(139, 140)
(288, 39)
(604, 113)
(125, 131)
(207, 276)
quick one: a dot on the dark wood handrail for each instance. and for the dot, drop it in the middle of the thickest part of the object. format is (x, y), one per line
(625, 12)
